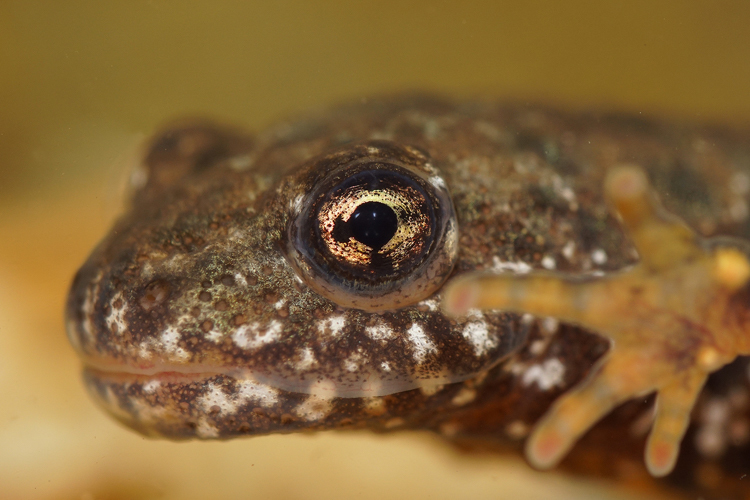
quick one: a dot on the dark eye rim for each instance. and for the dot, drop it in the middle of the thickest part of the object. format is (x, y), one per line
(401, 289)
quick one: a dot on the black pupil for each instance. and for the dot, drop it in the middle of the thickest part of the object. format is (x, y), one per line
(373, 224)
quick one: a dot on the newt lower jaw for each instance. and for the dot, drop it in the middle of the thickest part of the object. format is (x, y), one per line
(675, 317)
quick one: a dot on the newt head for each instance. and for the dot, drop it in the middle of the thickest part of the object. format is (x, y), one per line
(254, 287)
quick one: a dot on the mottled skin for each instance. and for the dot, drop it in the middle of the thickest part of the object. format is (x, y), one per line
(193, 323)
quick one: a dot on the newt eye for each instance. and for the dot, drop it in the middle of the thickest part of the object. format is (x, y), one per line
(376, 232)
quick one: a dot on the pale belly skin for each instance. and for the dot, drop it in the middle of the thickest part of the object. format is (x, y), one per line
(195, 318)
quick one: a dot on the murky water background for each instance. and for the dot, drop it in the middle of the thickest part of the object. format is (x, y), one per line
(81, 83)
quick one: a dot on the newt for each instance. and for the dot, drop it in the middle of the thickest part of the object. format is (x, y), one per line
(498, 273)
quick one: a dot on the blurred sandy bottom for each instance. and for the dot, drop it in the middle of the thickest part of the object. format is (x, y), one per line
(55, 444)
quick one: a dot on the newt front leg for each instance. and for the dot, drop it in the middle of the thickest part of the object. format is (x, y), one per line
(678, 315)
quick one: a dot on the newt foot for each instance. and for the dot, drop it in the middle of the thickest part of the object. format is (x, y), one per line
(678, 315)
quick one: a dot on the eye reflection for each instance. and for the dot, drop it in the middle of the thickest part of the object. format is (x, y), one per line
(374, 233)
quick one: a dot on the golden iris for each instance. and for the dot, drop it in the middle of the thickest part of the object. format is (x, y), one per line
(375, 232)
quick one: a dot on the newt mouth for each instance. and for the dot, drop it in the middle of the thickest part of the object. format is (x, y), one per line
(137, 376)
(326, 384)
(110, 367)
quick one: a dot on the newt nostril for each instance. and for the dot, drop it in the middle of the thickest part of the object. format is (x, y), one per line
(155, 294)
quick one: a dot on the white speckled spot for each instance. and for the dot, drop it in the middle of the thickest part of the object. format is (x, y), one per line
(517, 429)
(206, 430)
(437, 181)
(429, 389)
(214, 335)
(144, 350)
(147, 270)
(599, 256)
(169, 342)
(715, 411)
(216, 397)
(711, 438)
(500, 266)
(477, 334)
(385, 366)
(430, 304)
(380, 332)
(145, 411)
(548, 262)
(306, 358)
(537, 347)
(569, 196)
(87, 308)
(333, 325)
(421, 344)
(547, 375)
(262, 394)
(394, 422)
(465, 396)
(550, 325)
(116, 317)
(314, 408)
(151, 386)
(247, 390)
(253, 336)
(710, 441)
(569, 249)
(351, 364)
(169, 338)
(240, 280)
